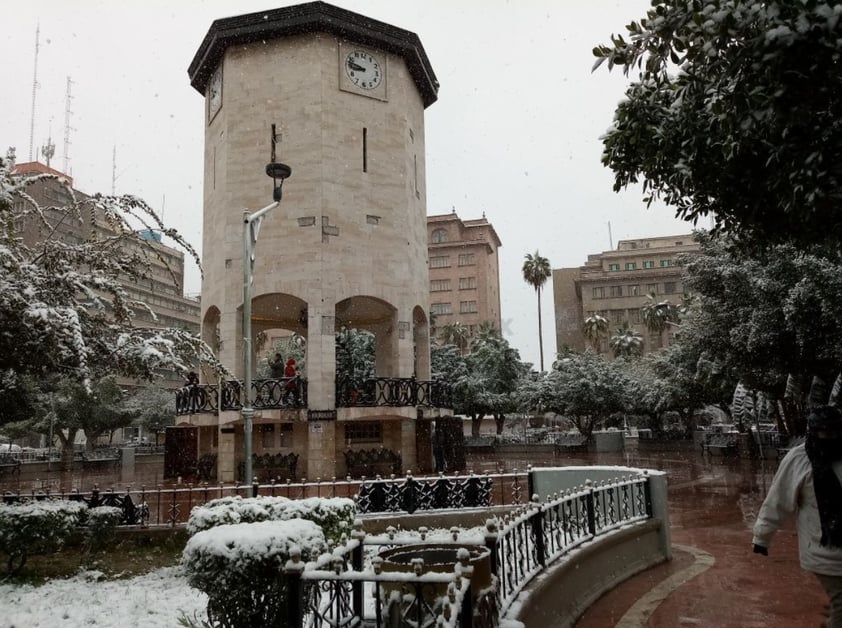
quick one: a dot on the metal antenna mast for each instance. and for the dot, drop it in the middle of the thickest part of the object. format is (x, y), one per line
(34, 89)
(67, 128)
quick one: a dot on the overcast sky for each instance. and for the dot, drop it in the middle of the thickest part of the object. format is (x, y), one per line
(515, 132)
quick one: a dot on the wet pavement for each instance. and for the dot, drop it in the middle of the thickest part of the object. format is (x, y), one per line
(714, 579)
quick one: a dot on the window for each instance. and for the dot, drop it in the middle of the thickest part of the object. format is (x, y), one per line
(439, 236)
(439, 285)
(440, 261)
(634, 316)
(650, 263)
(267, 433)
(467, 283)
(631, 265)
(665, 263)
(618, 316)
(633, 291)
(599, 292)
(651, 288)
(466, 259)
(613, 267)
(467, 307)
(669, 287)
(441, 308)
(363, 432)
(616, 291)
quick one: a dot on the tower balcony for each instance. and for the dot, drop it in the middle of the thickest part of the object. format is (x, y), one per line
(291, 393)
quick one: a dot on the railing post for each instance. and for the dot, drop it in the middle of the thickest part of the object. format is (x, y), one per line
(491, 537)
(589, 504)
(537, 523)
(358, 535)
(292, 572)
(254, 486)
(647, 494)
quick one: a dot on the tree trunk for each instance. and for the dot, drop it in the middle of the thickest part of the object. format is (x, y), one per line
(476, 421)
(540, 331)
(499, 420)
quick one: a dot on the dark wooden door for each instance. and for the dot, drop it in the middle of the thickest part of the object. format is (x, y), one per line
(423, 445)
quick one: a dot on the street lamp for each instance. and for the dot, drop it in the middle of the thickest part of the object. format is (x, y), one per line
(251, 227)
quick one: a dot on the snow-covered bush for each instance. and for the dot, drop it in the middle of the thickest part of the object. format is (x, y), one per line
(100, 525)
(333, 515)
(41, 527)
(241, 568)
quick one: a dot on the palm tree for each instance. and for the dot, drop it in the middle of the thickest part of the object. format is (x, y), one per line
(536, 271)
(594, 328)
(626, 342)
(455, 334)
(658, 316)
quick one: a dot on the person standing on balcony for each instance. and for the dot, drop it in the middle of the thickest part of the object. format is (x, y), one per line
(276, 367)
(808, 483)
(192, 385)
(291, 377)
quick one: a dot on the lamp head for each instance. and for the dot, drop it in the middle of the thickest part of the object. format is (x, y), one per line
(278, 172)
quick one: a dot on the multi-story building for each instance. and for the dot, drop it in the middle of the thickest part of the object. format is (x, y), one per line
(464, 272)
(162, 290)
(616, 284)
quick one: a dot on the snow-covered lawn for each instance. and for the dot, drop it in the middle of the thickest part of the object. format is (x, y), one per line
(156, 599)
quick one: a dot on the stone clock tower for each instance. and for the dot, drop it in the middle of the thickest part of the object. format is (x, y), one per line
(340, 98)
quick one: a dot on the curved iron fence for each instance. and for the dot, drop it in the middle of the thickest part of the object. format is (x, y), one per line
(291, 392)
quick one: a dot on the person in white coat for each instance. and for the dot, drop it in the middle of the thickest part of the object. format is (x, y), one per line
(808, 483)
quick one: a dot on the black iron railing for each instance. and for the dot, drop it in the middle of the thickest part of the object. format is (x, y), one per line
(291, 392)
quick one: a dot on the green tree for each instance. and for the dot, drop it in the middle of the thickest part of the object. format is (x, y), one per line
(736, 115)
(658, 316)
(455, 334)
(595, 328)
(626, 342)
(354, 355)
(153, 407)
(536, 271)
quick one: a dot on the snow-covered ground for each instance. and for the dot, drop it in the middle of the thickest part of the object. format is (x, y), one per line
(156, 599)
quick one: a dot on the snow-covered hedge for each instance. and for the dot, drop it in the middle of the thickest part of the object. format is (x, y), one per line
(40, 527)
(333, 515)
(241, 568)
(100, 525)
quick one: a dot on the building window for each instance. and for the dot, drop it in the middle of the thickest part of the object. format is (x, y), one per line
(613, 267)
(633, 291)
(651, 288)
(466, 259)
(616, 291)
(669, 287)
(439, 285)
(650, 263)
(358, 432)
(467, 307)
(467, 283)
(440, 261)
(618, 316)
(441, 308)
(599, 292)
(439, 236)
(634, 317)
(631, 265)
(267, 433)
(666, 263)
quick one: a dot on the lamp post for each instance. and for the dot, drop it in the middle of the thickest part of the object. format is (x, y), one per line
(251, 227)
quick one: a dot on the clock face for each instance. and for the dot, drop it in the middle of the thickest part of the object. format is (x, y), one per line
(215, 93)
(363, 69)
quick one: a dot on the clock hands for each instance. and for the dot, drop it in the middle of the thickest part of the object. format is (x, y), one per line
(354, 66)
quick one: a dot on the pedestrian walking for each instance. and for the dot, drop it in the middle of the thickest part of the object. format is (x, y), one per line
(808, 484)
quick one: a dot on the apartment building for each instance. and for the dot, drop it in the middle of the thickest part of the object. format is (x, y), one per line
(162, 290)
(615, 284)
(464, 273)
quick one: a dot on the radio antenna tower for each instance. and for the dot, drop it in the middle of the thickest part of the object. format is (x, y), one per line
(34, 90)
(67, 128)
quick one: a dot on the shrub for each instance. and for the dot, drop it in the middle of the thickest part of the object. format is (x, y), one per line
(241, 568)
(334, 515)
(100, 525)
(40, 527)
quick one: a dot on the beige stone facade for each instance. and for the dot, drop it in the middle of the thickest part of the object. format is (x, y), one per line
(347, 245)
(464, 272)
(615, 284)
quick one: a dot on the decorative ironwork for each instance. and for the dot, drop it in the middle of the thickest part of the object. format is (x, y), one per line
(393, 391)
(410, 494)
